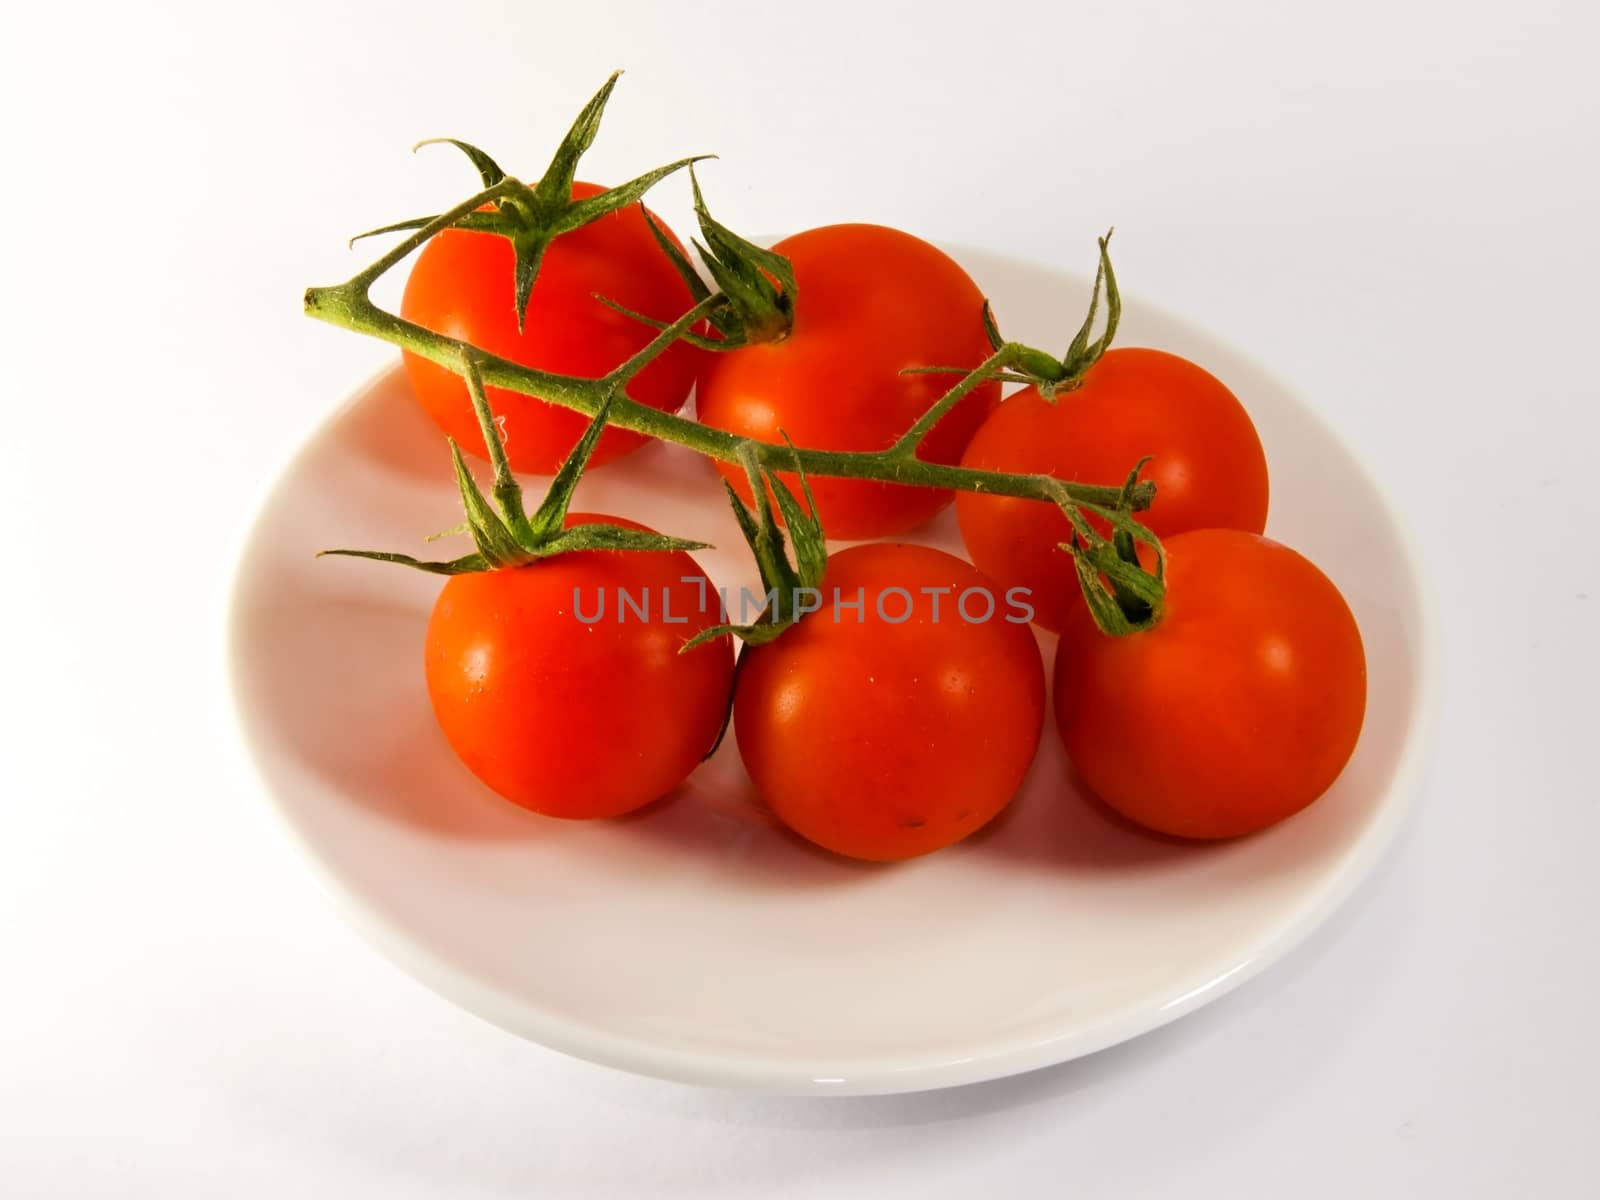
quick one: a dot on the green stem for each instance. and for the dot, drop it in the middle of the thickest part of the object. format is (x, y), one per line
(347, 306)
(621, 376)
(755, 303)
(990, 368)
(363, 280)
(507, 492)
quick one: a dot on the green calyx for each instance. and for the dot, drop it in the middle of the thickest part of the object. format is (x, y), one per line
(1123, 596)
(783, 581)
(505, 534)
(1014, 362)
(531, 217)
(1083, 353)
(755, 285)
(758, 283)
(1052, 376)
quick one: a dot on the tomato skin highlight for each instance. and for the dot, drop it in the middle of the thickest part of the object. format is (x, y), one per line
(1237, 709)
(882, 740)
(1207, 464)
(871, 302)
(462, 286)
(575, 719)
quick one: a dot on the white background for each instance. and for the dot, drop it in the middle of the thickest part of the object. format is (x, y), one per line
(1393, 206)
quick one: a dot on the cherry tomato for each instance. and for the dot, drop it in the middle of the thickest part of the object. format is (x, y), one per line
(870, 302)
(1207, 465)
(462, 286)
(560, 696)
(900, 726)
(1238, 708)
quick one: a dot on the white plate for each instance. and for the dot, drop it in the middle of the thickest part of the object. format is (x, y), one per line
(695, 940)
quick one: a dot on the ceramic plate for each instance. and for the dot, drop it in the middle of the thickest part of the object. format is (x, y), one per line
(697, 941)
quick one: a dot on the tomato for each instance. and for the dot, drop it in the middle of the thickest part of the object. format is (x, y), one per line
(870, 301)
(879, 737)
(1238, 708)
(462, 287)
(579, 716)
(1207, 464)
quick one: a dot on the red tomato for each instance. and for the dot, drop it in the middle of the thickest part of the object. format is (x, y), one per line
(1238, 708)
(462, 287)
(579, 716)
(1206, 463)
(882, 738)
(870, 302)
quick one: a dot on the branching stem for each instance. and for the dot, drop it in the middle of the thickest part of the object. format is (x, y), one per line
(758, 295)
(349, 306)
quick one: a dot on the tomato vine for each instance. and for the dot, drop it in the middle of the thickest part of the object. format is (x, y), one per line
(532, 216)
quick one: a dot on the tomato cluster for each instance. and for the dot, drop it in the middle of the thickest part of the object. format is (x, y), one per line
(891, 704)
